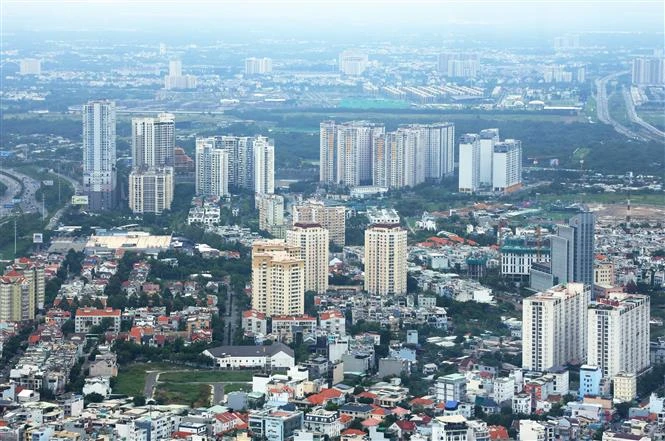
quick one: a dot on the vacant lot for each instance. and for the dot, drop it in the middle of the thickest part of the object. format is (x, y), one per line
(195, 395)
(205, 376)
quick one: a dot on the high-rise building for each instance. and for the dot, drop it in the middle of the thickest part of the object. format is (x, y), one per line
(34, 272)
(648, 70)
(176, 80)
(313, 242)
(573, 250)
(330, 217)
(488, 138)
(151, 190)
(352, 63)
(99, 157)
(30, 66)
(17, 297)
(258, 66)
(469, 163)
(618, 334)
(151, 179)
(439, 151)
(212, 168)
(327, 146)
(241, 160)
(507, 166)
(278, 281)
(271, 211)
(354, 152)
(554, 324)
(385, 260)
(264, 166)
(153, 141)
(568, 41)
(459, 65)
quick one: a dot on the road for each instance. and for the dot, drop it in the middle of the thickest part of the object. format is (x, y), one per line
(55, 220)
(28, 202)
(13, 190)
(651, 132)
(150, 383)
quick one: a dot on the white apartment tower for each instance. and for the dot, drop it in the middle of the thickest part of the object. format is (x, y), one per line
(488, 138)
(151, 180)
(352, 63)
(469, 163)
(354, 152)
(313, 242)
(258, 66)
(99, 155)
(507, 166)
(264, 166)
(30, 66)
(385, 260)
(271, 211)
(554, 324)
(618, 334)
(327, 152)
(278, 282)
(212, 168)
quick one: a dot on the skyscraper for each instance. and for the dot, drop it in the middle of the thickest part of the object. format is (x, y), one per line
(151, 180)
(212, 168)
(241, 160)
(352, 63)
(313, 242)
(459, 65)
(176, 80)
(439, 151)
(554, 324)
(258, 66)
(99, 160)
(278, 282)
(264, 166)
(488, 138)
(330, 217)
(385, 260)
(618, 329)
(271, 213)
(469, 163)
(648, 70)
(327, 152)
(573, 250)
(507, 166)
(354, 152)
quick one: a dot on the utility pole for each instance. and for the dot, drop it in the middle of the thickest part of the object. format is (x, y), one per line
(14, 237)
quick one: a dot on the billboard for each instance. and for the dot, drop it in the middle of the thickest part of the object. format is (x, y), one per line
(79, 200)
(37, 238)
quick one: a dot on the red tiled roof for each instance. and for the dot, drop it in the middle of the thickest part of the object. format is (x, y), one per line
(89, 312)
(351, 432)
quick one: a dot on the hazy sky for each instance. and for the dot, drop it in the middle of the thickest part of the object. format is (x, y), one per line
(342, 15)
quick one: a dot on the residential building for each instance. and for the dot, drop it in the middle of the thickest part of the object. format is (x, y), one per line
(385, 260)
(254, 322)
(35, 273)
(264, 166)
(327, 147)
(535, 431)
(258, 66)
(469, 163)
(30, 66)
(507, 166)
(459, 65)
(450, 387)
(99, 155)
(313, 242)
(17, 297)
(519, 253)
(648, 70)
(323, 421)
(554, 324)
(590, 378)
(353, 156)
(330, 217)
(573, 250)
(488, 138)
(618, 334)
(284, 327)
(151, 190)
(212, 168)
(86, 318)
(278, 282)
(241, 160)
(353, 63)
(271, 213)
(176, 80)
(603, 273)
(274, 356)
(452, 428)
(332, 322)
(275, 424)
(625, 387)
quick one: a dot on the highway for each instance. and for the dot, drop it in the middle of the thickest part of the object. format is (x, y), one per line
(602, 106)
(650, 131)
(28, 202)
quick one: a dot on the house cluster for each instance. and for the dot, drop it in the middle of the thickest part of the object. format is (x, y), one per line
(205, 211)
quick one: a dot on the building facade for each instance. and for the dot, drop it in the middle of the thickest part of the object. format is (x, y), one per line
(151, 190)
(469, 163)
(99, 155)
(488, 138)
(507, 166)
(212, 168)
(385, 260)
(330, 217)
(313, 242)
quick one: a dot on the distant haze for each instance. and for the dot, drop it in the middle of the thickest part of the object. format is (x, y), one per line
(294, 18)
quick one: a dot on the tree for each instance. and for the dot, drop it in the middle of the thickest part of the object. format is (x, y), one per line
(93, 398)
(139, 400)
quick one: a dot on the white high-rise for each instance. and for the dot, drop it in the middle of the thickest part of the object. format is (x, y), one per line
(488, 138)
(352, 63)
(264, 166)
(327, 146)
(469, 163)
(241, 160)
(554, 324)
(99, 155)
(459, 65)
(176, 80)
(385, 260)
(258, 66)
(354, 152)
(507, 166)
(151, 180)
(330, 217)
(618, 334)
(30, 66)
(212, 168)
(271, 211)
(313, 242)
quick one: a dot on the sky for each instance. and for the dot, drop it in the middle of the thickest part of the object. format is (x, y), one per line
(334, 16)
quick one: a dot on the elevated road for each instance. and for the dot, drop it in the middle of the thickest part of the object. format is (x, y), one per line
(603, 110)
(649, 131)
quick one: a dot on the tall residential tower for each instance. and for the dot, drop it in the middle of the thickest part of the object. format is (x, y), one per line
(99, 157)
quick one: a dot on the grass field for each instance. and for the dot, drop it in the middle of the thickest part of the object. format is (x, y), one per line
(205, 376)
(232, 387)
(196, 395)
(653, 117)
(606, 198)
(131, 379)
